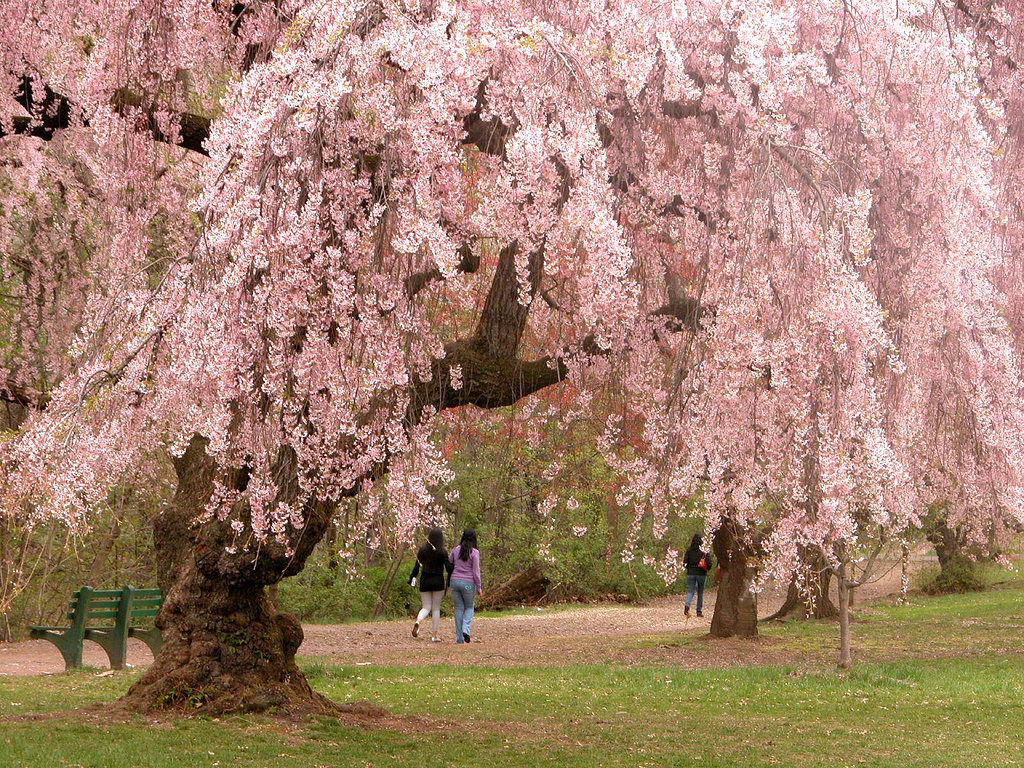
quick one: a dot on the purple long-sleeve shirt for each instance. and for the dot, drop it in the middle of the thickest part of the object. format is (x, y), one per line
(467, 570)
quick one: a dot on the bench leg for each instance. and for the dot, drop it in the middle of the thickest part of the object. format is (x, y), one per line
(151, 637)
(72, 652)
(111, 641)
(70, 647)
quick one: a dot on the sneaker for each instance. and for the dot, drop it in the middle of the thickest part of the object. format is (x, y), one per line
(435, 639)
(416, 629)
(686, 610)
(465, 636)
(700, 614)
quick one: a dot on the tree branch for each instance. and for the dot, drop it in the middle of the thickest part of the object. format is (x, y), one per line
(54, 112)
(45, 115)
(19, 394)
(415, 283)
(503, 318)
(193, 129)
(469, 374)
(808, 179)
(488, 136)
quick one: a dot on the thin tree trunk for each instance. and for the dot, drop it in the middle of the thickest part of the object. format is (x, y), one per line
(844, 617)
(904, 573)
(389, 579)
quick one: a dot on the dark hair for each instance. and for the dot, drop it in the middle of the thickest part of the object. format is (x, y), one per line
(436, 538)
(468, 544)
(696, 541)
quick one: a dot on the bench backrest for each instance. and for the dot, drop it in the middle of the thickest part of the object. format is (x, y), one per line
(146, 603)
(104, 605)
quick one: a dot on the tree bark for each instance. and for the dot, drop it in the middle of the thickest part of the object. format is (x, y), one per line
(815, 603)
(736, 603)
(957, 567)
(845, 660)
(225, 647)
(949, 542)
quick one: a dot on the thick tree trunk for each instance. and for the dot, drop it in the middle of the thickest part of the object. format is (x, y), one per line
(957, 568)
(949, 543)
(735, 603)
(225, 647)
(813, 601)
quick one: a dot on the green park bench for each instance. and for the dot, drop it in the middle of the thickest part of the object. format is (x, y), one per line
(107, 617)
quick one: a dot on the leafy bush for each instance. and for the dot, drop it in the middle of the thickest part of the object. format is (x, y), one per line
(959, 575)
(321, 594)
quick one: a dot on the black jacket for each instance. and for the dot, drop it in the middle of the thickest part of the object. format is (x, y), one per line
(434, 565)
(692, 557)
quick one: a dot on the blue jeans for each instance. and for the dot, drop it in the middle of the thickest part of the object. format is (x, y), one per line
(695, 582)
(463, 595)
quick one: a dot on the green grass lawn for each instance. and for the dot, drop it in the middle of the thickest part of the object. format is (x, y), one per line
(939, 682)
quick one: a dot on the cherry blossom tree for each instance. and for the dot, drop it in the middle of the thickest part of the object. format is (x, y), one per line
(781, 231)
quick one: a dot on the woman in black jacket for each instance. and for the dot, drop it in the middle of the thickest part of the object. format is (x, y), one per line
(434, 569)
(697, 562)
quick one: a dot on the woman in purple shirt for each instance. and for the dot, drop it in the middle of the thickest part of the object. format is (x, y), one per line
(465, 583)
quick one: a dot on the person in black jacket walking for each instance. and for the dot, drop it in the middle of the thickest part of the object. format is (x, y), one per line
(697, 563)
(433, 568)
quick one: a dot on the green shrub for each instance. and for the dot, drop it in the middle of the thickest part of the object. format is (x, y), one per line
(322, 594)
(958, 576)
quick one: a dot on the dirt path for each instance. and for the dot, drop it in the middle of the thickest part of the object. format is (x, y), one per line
(560, 635)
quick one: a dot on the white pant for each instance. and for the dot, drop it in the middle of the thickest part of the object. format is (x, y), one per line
(431, 605)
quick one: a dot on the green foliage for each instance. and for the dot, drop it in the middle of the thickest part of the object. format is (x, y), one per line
(536, 502)
(958, 575)
(323, 593)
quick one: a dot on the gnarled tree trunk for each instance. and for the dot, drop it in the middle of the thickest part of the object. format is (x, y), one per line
(736, 603)
(225, 647)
